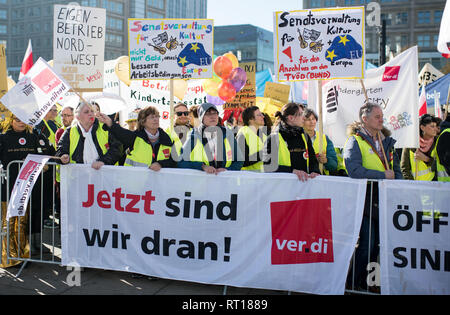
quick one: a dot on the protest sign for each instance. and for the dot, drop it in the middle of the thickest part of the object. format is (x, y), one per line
(392, 86)
(28, 174)
(33, 96)
(170, 48)
(143, 93)
(414, 234)
(428, 74)
(228, 229)
(79, 45)
(246, 97)
(319, 44)
(277, 91)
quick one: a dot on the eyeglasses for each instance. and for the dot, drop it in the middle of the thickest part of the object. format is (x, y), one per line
(179, 114)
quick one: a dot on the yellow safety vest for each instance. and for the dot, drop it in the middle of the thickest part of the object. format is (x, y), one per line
(51, 137)
(442, 175)
(175, 139)
(142, 153)
(102, 138)
(340, 159)
(198, 154)
(255, 145)
(324, 148)
(370, 158)
(284, 156)
(424, 171)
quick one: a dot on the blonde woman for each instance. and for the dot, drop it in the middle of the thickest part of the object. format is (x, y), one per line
(16, 142)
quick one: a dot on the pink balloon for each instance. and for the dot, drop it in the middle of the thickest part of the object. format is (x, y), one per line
(238, 78)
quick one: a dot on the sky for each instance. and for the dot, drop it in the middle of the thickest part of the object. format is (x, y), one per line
(255, 12)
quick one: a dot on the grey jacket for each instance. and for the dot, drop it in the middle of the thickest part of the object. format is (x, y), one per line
(353, 157)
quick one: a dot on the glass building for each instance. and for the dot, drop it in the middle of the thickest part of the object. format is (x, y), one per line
(247, 42)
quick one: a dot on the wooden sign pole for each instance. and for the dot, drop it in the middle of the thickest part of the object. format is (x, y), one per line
(320, 133)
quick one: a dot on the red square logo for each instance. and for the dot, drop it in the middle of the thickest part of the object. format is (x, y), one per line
(28, 170)
(301, 232)
(166, 153)
(46, 81)
(391, 73)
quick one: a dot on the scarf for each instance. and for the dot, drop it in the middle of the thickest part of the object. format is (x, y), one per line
(90, 153)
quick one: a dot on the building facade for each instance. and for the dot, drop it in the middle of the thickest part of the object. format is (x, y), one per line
(408, 23)
(21, 20)
(247, 42)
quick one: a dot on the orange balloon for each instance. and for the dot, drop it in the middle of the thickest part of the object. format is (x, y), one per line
(226, 91)
(223, 67)
(233, 59)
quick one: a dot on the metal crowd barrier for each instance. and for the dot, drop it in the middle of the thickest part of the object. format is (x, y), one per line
(45, 246)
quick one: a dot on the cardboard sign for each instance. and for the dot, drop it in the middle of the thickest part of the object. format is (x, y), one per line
(79, 46)
(170, 49)
(279, 92)
(319, 44)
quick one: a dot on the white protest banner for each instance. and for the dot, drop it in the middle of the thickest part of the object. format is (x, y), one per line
(319, 44)
(238, 228)
(170, 48)
(392, 86)
(414, 237)
(28, 174)
(143, 93)
(33, 96)
(79, 45)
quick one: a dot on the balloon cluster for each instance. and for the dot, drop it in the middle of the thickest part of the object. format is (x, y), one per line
(227, 80)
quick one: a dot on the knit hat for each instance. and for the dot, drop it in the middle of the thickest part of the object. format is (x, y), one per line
(202, 109)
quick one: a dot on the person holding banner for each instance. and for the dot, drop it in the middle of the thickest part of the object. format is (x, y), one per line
(328, 157)
(148, 146)
(251, 138)
(16, 142)
(87, 141)
(289, 149)
(419, 162)
(442, 152)
(369, 153)
(210, 147)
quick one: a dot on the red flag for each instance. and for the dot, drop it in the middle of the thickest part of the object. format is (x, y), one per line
(27, 62)
(422, 102)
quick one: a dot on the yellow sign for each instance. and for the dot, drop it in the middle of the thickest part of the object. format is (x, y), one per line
(277, 91)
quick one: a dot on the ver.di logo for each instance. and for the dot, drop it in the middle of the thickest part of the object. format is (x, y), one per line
(301, 232)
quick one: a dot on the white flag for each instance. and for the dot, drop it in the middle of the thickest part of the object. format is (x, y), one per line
(28, 174)
(444, 32)
(437, 106)
(34, 95)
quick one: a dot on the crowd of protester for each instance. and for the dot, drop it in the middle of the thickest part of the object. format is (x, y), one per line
(200, 139)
